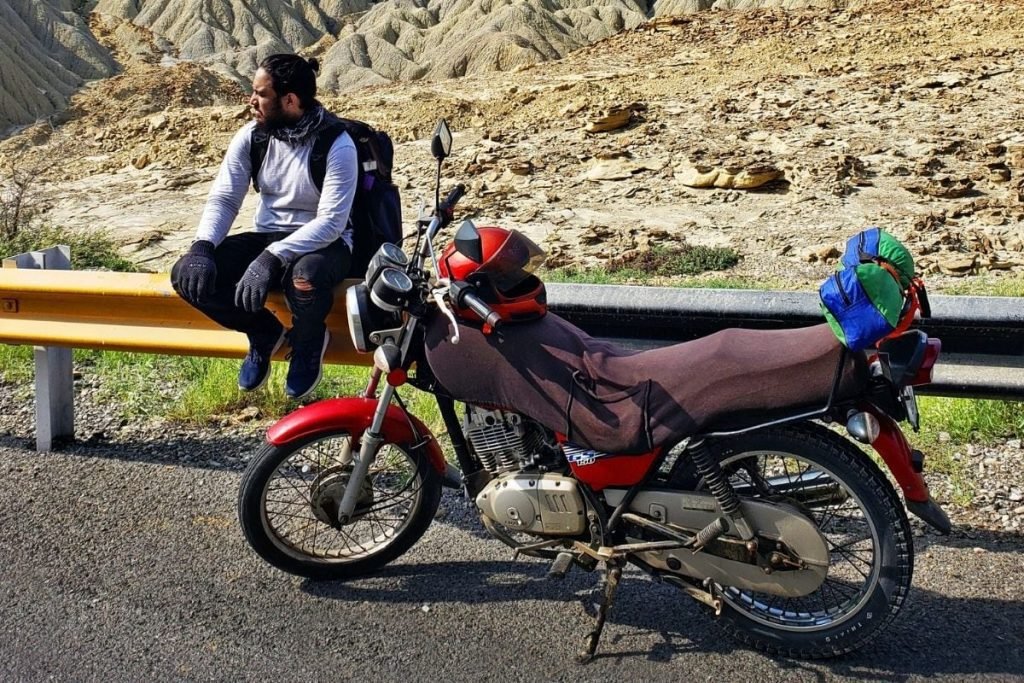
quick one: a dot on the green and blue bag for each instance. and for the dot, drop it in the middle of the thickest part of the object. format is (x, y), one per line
(874, 293)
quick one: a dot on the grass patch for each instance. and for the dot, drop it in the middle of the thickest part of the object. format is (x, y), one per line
(683, 259)
(198, 390)
(987, 285)
(972, 420)
(604, 276)
(16, 363)
(674, 266)
(211, 389)
(949, 424)
(90, 249)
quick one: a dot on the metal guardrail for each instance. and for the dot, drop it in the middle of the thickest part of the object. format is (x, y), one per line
(983, 337)
(130, 312)
(55, 405)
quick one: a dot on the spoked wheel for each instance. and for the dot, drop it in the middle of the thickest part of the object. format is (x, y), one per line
(289, 498)
(863, 522)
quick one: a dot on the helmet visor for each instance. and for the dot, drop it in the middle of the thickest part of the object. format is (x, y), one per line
(514, 261)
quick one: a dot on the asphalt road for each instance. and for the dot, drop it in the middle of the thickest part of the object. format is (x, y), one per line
(114, 567)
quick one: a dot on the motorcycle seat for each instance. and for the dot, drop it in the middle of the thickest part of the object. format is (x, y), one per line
(617, 400)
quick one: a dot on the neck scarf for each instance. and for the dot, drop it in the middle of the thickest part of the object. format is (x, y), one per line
(303, 130)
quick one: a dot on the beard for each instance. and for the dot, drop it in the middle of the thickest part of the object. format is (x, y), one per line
(274, 118)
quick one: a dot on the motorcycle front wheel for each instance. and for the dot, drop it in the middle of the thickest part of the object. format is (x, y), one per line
(837, 486)
(289, 497)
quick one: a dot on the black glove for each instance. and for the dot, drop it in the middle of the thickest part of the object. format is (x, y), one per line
(252, 290)
(197, 272)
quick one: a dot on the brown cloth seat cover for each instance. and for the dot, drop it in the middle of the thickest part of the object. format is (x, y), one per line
(617, 400)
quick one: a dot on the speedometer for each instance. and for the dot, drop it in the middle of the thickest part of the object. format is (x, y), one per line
(391, 289)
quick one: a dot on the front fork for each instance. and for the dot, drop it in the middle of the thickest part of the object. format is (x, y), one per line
(372, 439)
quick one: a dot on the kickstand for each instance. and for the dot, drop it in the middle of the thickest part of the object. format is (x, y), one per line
(613, 573)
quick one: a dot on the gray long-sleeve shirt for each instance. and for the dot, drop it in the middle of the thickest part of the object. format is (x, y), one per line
(289, 200)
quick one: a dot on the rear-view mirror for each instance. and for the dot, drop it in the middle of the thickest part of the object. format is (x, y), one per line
(441, 144)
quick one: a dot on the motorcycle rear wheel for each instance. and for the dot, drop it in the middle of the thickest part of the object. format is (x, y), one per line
(287, 506)
(868, 536)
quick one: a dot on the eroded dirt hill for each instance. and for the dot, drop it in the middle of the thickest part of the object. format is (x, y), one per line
(46, 52)
(778, 133)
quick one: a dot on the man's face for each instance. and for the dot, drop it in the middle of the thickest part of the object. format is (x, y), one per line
(270, 111)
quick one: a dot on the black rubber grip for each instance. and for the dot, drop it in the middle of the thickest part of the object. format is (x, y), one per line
(453, 198)
(464, 296)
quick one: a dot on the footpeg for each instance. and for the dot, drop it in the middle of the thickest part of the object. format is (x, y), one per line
(561, 565)
(709, 533)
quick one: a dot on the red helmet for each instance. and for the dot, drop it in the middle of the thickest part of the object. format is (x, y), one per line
(500, 263)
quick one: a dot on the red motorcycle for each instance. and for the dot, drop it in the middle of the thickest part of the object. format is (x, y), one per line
(707, 464)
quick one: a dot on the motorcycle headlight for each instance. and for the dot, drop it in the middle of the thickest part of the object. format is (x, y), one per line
(365, 319)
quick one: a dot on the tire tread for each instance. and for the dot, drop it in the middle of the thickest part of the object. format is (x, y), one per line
(268, 458)
(880, 487)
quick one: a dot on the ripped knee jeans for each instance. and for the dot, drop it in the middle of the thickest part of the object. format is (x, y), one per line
(309, 289)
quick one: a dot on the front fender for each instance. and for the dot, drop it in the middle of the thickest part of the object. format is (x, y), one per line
(354, 415)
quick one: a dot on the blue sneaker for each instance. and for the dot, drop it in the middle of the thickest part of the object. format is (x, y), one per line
(256, 366)
(306, 366)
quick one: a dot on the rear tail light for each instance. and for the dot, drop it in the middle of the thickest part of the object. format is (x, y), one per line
(931, 354)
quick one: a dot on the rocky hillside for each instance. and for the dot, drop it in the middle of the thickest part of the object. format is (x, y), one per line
(437, 40)
(776, 133)
(362, 42)
(46, 52)
(234, 35)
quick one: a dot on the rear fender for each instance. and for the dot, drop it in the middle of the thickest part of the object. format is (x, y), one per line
(354, 415)
(906, 466)
(898, 457)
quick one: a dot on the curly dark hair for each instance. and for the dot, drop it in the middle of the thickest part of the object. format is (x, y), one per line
(293, 74)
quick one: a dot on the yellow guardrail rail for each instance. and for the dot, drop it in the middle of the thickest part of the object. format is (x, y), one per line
(133, 312)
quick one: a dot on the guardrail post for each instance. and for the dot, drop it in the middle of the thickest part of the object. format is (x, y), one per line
(55, 393)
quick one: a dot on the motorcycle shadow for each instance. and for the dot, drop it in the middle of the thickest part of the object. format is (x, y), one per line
(970, 537)
(637, 612)
(935, 635)
(938, 632)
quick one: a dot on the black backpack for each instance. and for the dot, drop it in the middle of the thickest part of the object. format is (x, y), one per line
(376, 215)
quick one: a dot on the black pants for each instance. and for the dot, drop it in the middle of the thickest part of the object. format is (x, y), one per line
(319, 270)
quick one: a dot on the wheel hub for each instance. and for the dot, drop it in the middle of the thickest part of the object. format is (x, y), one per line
(327, 491)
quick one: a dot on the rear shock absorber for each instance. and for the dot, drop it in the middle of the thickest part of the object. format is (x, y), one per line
(721, 489)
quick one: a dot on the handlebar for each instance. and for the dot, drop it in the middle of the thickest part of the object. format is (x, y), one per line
(446, 208)
(463, 294)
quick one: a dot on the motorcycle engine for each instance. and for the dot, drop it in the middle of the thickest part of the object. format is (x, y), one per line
(503, 440)
(524, 495)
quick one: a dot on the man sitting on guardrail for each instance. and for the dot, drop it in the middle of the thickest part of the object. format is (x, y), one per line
(302, 242)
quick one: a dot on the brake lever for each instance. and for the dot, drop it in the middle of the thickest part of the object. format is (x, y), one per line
(439, 294)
